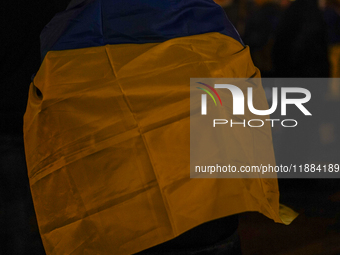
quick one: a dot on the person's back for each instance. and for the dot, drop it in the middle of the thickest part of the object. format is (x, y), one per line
(108, 139)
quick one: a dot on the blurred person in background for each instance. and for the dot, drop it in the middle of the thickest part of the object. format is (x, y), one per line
(332, 18)
(260, 33)
(300, 50)
(256, 21)
(301, 42)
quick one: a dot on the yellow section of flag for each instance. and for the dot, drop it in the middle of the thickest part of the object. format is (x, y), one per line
(107, 145)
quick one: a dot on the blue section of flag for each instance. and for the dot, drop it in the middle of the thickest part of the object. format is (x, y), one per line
(91, 23)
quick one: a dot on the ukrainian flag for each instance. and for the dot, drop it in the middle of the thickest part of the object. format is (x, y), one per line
(107, 125)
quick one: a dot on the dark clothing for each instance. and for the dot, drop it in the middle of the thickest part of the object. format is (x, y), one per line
(259, 35)
(214, 237)
(300, 48)
(332, 19)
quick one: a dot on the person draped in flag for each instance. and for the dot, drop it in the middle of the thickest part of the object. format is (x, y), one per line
(107, 130)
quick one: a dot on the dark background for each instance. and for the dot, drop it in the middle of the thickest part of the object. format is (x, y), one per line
(317, 201)
(21, 24)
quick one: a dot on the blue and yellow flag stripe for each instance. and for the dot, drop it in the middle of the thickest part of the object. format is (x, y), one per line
(100, 22)
(107, 142)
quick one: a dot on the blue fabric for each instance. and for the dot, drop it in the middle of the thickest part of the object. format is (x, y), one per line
(92, 23)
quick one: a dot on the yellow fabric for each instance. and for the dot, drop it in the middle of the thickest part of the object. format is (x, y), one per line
(287, 215)
(107, 146)
(334, 59)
